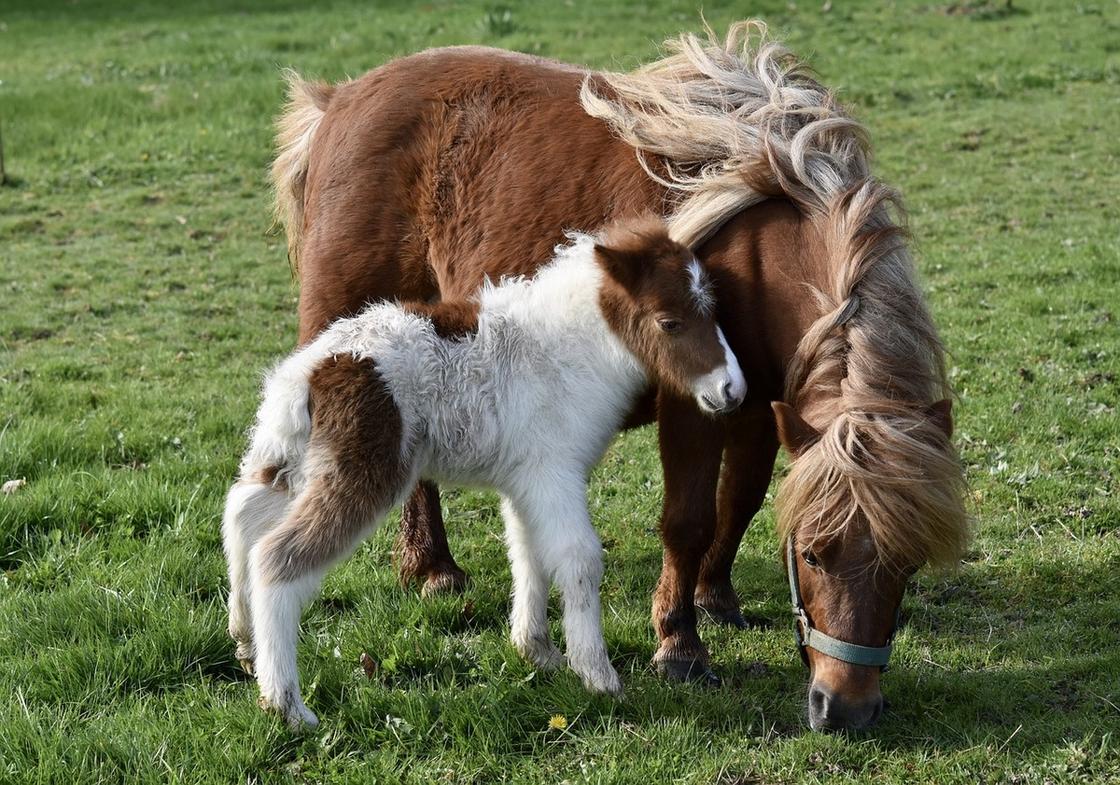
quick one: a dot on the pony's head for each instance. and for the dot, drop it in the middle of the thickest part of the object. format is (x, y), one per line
(871, 497)
(658, 299)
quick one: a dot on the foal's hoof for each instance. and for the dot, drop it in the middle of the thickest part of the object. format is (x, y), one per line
(245, 656)
(603, 682)
(450, 580)
(692, 671)
(296, 715)
(542, 653)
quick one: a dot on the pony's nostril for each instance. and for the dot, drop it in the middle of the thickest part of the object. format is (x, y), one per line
(727, 393)
(818, 702)
(876, 712)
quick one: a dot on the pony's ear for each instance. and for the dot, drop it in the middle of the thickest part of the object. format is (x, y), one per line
(623, 265)
(794, 433)
(941, 414)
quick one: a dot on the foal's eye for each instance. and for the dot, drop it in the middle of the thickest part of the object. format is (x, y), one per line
(669, 325)
(810, 558)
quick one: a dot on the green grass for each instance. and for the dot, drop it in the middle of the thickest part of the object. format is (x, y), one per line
(142, 292)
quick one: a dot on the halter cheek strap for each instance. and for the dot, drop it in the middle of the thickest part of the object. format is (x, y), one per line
(809, 638)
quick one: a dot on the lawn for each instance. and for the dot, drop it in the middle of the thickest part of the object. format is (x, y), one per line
(143, 290)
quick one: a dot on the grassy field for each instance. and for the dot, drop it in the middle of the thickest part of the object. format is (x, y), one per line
(142, 292)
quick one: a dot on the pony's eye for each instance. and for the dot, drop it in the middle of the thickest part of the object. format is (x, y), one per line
(669, 325)
(810, 558)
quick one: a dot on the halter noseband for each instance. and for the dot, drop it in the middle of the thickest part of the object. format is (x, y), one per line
(809, 638)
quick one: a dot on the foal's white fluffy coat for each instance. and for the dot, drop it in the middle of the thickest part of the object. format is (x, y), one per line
(526, 405)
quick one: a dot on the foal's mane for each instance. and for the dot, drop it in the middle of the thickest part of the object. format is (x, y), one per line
(738, 120)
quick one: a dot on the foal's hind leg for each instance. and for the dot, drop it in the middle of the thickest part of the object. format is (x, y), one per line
(356, 471)
(328, 521)
(252, 508)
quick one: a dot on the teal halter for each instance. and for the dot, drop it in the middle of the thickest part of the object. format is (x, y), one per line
(809, 638)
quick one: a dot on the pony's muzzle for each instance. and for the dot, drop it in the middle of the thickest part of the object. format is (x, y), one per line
(832, 711)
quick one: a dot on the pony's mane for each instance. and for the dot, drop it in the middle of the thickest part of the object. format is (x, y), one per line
(734, 122)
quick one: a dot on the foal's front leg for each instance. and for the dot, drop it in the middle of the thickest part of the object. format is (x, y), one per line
(570, 552)
(528, 619)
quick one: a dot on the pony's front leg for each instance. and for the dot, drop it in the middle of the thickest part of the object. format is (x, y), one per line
(528, 619)
(691, 447)
(421, 548)
(748, 462)
(569, 549)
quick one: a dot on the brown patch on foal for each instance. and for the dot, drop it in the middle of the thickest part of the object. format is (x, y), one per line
(647, 301)
(270, 475)
(451, 319)
(355, 472)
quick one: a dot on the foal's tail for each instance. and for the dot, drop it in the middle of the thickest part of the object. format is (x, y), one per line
(295, 131)
(283, 427)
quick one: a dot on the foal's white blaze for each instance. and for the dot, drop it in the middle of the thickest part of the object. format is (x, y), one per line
(723, 388)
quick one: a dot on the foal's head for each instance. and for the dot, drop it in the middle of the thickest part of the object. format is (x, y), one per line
(658, 299)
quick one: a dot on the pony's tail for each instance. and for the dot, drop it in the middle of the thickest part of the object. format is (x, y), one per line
(295, 131)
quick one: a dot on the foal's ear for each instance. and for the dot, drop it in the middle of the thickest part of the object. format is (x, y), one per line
(623, 265)
(794, 433)
(941, 414)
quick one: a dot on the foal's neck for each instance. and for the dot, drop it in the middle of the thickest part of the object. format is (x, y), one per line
(560, 307)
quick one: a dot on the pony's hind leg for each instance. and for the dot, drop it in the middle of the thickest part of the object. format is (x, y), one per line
(252, 508)
(528, 620)
(568, 548)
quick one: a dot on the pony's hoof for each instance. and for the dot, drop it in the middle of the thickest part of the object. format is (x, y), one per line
(247, 666)
(692, 671)
(449, 580)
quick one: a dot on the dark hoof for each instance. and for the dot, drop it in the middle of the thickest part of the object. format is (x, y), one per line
(688, 671)
(447, 581)
(729, 618)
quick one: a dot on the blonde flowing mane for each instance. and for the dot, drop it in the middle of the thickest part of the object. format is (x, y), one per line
(738, 120)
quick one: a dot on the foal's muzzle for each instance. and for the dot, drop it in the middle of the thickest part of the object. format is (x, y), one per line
(721, 390)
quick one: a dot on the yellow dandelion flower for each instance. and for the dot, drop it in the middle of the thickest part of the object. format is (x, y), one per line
(558, 722)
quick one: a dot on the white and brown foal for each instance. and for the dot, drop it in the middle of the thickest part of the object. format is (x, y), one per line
(521, 391)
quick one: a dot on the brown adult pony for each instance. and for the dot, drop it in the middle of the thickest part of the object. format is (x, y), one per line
(386, 184)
